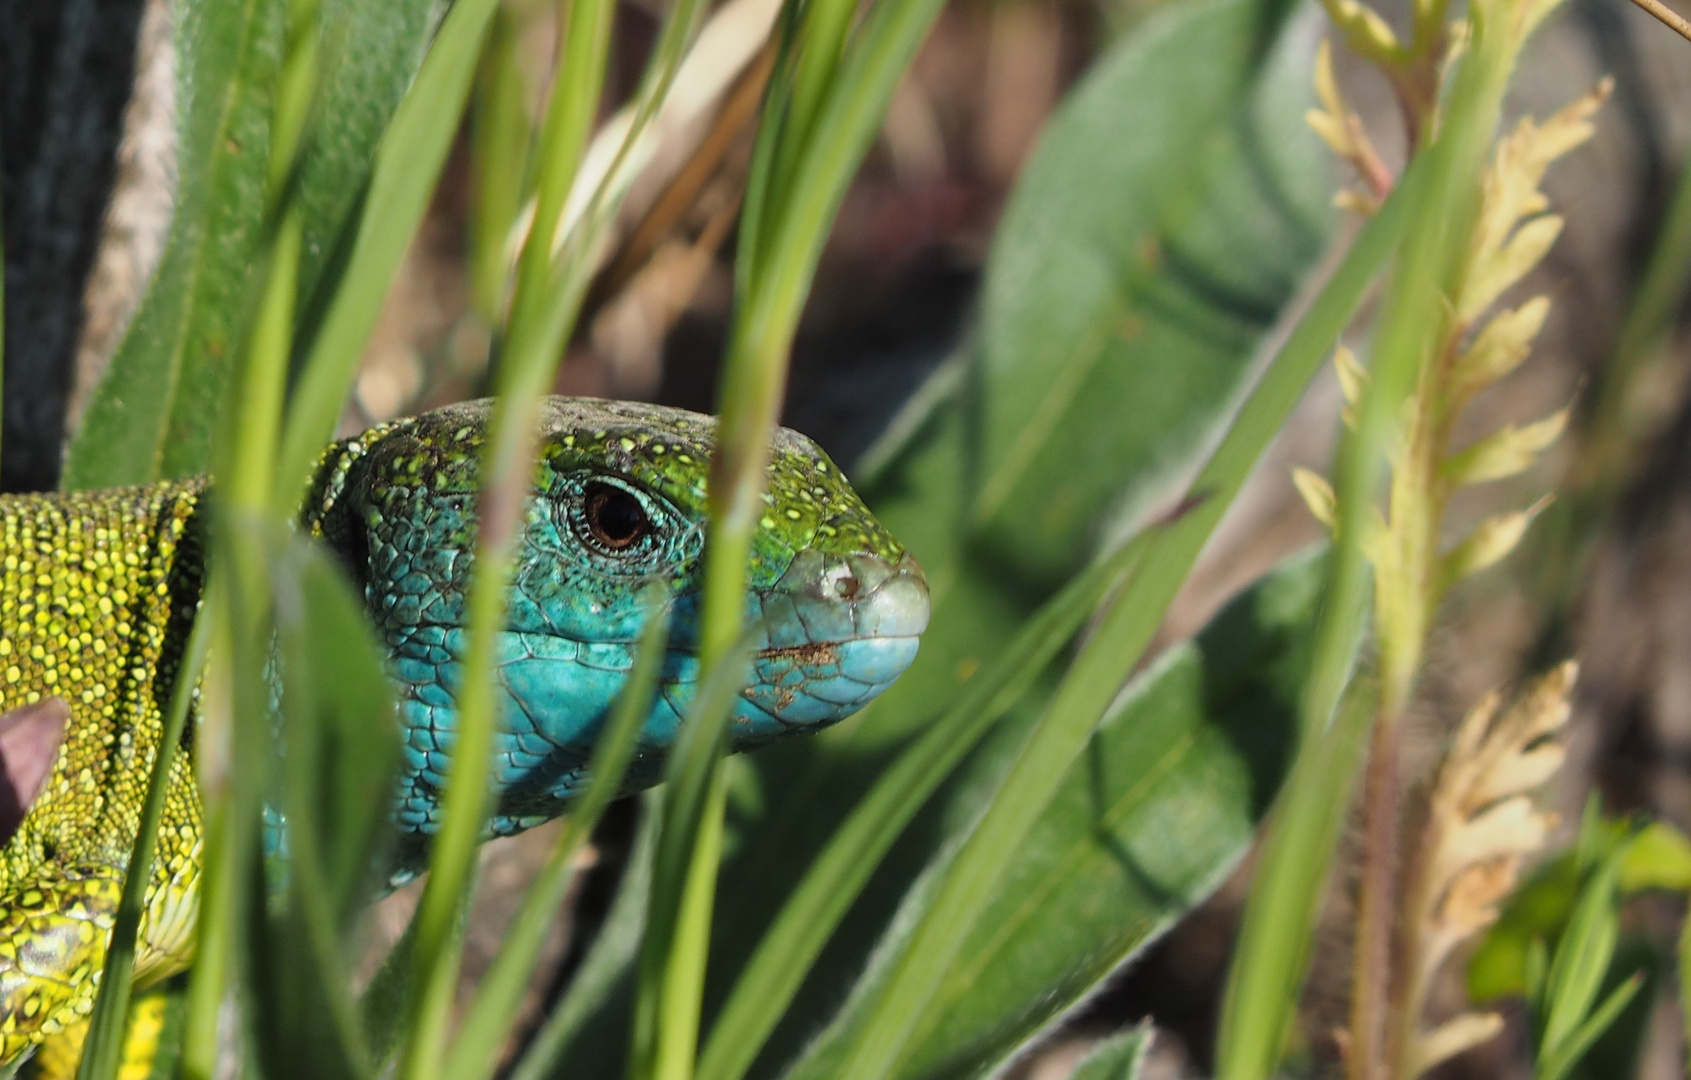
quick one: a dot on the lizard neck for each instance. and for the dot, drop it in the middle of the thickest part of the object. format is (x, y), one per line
(97, 593)
(325, 510)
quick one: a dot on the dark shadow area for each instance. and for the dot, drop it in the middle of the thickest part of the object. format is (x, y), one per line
(66, 69)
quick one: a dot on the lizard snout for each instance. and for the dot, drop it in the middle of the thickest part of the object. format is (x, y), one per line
(836, 631)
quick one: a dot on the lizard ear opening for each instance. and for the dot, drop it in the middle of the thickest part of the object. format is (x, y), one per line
(29, 745)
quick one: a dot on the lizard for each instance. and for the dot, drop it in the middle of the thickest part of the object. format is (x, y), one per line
(98, 591)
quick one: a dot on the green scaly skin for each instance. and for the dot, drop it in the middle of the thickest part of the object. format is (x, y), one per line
(99, 590)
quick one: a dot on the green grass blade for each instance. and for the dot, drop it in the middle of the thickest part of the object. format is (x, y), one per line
(550, 287)
(408, 162)
(1285, 895)
(213, 946)
(1085, 693)
(818, 30)
(487, 1025)
(501, 138)
(777, 98)
(1140, 609)
(774, 973)
(102, 1053)
(1582, 957)
(339, 743)
(672, 975)
(580, 75)
(1578, 1041)
(687, 835)
(847, 121)
(1439, 195)
(609, 963)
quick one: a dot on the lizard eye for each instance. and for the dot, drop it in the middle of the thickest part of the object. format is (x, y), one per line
(615, 518)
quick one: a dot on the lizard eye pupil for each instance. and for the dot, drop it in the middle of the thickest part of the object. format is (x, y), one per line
(615, 518)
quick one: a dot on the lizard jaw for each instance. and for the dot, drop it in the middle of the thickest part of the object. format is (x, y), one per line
(836, 631)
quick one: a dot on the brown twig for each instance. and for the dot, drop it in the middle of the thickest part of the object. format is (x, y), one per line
(738, 111)
(1376, 903)
(1667, 16)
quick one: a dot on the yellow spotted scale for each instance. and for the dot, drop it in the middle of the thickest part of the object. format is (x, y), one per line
(97, 593)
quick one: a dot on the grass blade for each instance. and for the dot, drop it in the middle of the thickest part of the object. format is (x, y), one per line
(689, 838)
(609, 962)
(1560, 1063)
(408, 162)
(1154, 582)
(488, 1022)
(1582, 957)
(241, 540)
(774, 973)
(1440, 193)
(776, 281)
(1296, 852)
(550, 287)
(501, 137)
(1085, 693)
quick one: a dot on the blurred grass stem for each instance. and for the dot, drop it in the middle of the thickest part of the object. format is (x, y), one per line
(233, 739)
(408, 163)
(489, 1020)
(783, 230)
(535, 342)
(1267, 974)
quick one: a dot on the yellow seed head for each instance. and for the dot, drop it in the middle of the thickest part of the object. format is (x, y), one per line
(1490, 542)
(1504, 453)
(1499, 348)
(1317, 495)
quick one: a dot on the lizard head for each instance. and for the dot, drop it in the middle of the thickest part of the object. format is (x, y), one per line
(835, 604)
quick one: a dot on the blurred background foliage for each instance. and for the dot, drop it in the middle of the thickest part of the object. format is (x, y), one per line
(1076, 240)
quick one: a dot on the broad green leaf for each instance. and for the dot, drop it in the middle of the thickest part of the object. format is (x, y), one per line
(1658, 857)
(1150, 819)
(153, 413)
(1117, 1058)
(1136, 269)
(372, 51)
(1241, 222)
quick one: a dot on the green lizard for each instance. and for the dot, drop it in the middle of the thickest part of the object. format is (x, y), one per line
(99, 589)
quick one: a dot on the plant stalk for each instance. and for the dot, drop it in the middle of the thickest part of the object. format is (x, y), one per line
(1372, 973)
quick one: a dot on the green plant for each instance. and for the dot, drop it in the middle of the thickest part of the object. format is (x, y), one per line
(933, 884)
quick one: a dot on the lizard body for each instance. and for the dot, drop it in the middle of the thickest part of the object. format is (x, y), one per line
(99, 589)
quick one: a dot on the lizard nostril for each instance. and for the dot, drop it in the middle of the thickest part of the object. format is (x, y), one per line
(837, 582)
